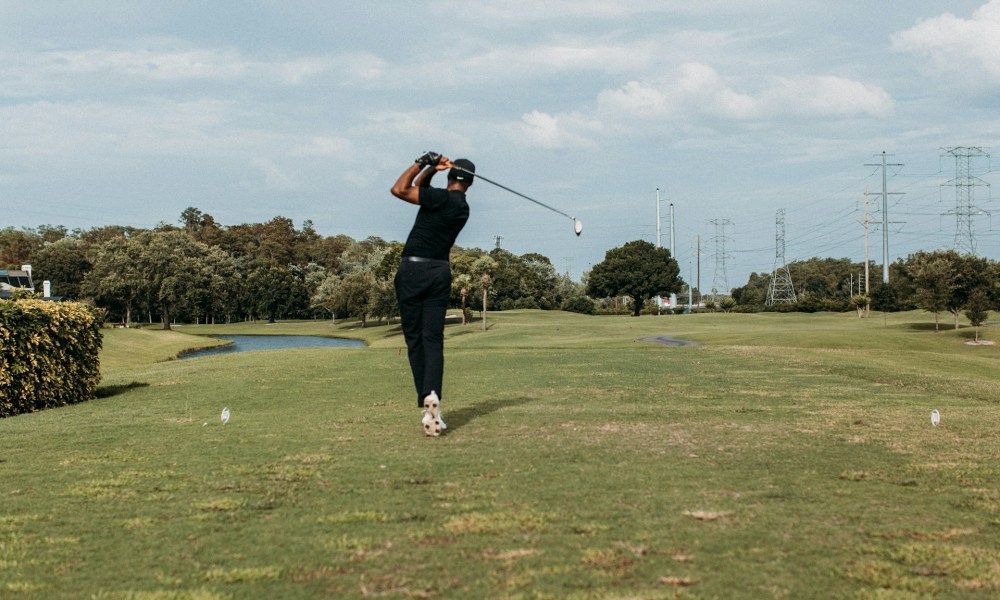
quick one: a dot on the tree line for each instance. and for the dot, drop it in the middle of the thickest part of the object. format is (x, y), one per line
(937, 282)
(199, 271)
(202, 272)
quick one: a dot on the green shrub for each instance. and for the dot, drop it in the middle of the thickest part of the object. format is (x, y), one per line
(526, 302)
(48, 354)
(578, 304)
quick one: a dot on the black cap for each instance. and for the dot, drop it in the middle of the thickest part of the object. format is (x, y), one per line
(459, 173)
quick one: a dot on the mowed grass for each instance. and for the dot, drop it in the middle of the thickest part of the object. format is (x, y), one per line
(786, 456)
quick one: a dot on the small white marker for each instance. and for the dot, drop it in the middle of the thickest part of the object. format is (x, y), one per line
(935, 417)
(225, 415)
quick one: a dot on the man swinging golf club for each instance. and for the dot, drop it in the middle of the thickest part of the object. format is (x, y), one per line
(423, 281)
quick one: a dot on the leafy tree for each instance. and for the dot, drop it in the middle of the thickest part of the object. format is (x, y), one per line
(639, 270)
(223, 285)
(354, 295)
(977, 309)
(51, 233)
(365, 256)
(539, 280)
(382, 303)
(170, 263)
(308, 244)
(115, 278)
(389, 264)
(754, 293)
(276, 240)
(99, 235)
(507, 279)
(934, 278)
(18, 246)
(972, 273)
(274, 291)
(325, 296)
(328, 251)
(64, 263)
(201, 226)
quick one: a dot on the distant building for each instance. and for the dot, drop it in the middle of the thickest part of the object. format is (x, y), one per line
(15, 280)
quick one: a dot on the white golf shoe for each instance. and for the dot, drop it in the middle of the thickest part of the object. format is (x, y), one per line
(433, 424)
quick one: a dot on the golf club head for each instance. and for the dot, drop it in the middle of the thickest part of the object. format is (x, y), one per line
(577, 226)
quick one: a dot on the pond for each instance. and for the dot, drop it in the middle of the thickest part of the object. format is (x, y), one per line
(251, 343)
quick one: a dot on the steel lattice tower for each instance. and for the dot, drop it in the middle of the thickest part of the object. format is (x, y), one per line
(965, 184)
(720, 281)
(781, 290)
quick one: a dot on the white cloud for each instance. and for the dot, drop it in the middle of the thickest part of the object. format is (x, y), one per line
(699, 91)
(66, 72)
(825, 97)
(526, 11)
(968, 48)
(543, 130)
(326, 146)
(275, 177)
(532, 10)
(97, 131)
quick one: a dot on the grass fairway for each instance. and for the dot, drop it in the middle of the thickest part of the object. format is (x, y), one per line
(787, 456)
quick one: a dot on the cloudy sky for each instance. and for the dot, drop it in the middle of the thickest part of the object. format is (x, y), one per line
(127, 112)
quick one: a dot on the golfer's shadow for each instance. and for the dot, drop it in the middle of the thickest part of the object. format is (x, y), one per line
(458, 418)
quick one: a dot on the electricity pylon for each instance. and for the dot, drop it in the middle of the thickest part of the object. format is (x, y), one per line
(965, 184)
(720, 282)
(781, 290)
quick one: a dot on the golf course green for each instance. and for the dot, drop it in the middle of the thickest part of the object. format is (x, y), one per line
(783, 456)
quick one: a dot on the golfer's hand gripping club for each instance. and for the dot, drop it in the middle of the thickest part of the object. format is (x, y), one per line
(428, 159)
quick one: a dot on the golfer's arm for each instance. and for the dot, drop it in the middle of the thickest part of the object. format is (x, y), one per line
(405, 187)
(424, 178)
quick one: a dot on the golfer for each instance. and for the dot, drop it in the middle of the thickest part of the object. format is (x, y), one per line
(423, 282)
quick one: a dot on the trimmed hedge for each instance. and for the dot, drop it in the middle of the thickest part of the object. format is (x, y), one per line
(48, 354)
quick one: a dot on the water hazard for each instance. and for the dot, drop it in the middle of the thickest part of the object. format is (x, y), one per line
(252, 343)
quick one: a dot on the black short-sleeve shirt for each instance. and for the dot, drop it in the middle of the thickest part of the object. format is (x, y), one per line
(441, 217)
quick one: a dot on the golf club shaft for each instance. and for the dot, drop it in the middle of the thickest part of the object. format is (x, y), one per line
(542, 204)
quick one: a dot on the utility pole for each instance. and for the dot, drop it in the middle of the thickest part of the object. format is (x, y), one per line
(965, 184)
(885, 214)
(698, 255)
(658, 244)
(673, 254)
(867, 206)
(498, 239)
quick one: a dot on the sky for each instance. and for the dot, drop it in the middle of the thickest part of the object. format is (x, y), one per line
(127, 112)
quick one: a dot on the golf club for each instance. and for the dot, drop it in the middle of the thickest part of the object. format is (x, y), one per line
(577, 224)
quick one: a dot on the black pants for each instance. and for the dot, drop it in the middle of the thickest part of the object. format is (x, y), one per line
(423, 290)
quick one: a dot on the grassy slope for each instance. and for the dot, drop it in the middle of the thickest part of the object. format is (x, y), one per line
(789, 455)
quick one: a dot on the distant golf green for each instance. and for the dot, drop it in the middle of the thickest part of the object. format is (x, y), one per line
(785, 456)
